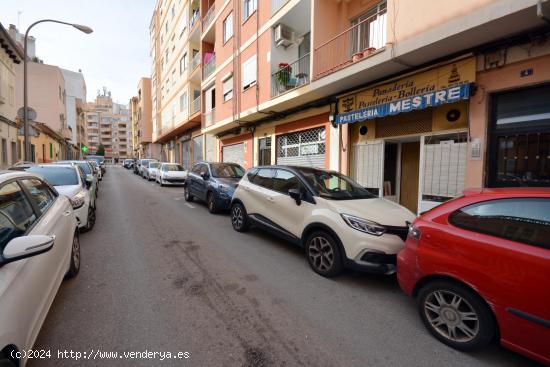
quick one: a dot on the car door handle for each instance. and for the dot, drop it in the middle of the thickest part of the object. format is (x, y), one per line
(246, 188)
(270, 199)
(68, 212)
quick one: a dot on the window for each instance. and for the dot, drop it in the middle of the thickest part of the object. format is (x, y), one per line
(13, 152)
(203, 170)
(40, 192)
(173, 76)
(4, 151)
(51, 150)
(197, 148)
(173, 10)
(249, 72)
(264, 150)
(228, 27)
(285, 180)
(183, 101)
(16, 214)
(249, 7)
(519, 144)
(524, 220)
(196, 168)
(183, 63)
(166, 55)
(369, 29)
(264, 178)
(227, 89)
(210, 99)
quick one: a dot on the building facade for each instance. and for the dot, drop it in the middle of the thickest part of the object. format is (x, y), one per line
(75, 98)
(10, 56)
(109, 126)
(404, 97)
(142, 124)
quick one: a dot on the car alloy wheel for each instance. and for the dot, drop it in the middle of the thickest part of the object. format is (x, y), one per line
(91, 219)
(456, 315)
(187, 195)
(451, 316)
(239, 218)
(323, 254)
(74, 267)
(211, 203)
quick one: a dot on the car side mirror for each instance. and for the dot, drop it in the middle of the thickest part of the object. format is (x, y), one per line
(204, 176)
(27, 246)
(296, 194)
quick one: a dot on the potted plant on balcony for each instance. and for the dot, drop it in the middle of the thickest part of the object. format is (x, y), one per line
(368, 51)
(357, 56)
(283, 76)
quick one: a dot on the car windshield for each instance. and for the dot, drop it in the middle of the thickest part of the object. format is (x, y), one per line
(56, 176)
(224, 170)
(334, 186)
(94, 163)
(98, 159)
(85, 167)
(153, 165)
(172, 167)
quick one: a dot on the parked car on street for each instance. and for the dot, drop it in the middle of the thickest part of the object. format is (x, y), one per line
(479, 268)
(171, 174)
(39, 246)
(97, 169)
(338, 222)
(151, 171)
(100, 160)
(21, 166)
(128, 163)
(213, 183)
(143, 165)
(91, 176)
(70, 180)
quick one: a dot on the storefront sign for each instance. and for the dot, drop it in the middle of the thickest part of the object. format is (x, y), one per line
(445, 84)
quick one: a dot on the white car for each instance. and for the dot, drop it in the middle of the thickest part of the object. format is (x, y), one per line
(339, 223)
(143, 164)
(151, 171)
(70, 180)
(39, 247)
(97, 169)
(171, 174)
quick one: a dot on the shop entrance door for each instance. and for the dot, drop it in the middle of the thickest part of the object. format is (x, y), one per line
(410, 165)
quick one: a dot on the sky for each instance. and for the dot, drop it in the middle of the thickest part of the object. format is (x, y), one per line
(115, 55)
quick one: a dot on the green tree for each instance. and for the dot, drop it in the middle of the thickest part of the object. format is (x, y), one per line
(100, 150)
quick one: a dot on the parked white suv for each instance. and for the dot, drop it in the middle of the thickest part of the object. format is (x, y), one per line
(339, 223)
(38, 247)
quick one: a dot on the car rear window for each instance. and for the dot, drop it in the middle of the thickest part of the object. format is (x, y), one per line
(525, 220)
(56, 176)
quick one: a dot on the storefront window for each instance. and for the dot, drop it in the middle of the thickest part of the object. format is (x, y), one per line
(264, 156)
(519, 152)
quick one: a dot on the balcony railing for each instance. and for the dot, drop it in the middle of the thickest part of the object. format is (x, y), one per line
(277, 4)
(209, 118)
(209, 67)
(208, 17)
(196, 61)
(290, 76)
(196, 105)
(194, 18)
(350, 46)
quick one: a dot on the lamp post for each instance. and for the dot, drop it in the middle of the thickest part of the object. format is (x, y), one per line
(81, 28)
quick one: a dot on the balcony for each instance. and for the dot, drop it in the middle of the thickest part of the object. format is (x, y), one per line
(290, 76)
(209, 65)
(209, 17)
(193, 19)
(196, 61)
(276, 5)
(209, 118)
(352, 45)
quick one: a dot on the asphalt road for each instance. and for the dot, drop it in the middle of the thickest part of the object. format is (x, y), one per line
(161, 275)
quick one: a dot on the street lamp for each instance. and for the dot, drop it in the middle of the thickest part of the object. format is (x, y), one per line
(81, 28)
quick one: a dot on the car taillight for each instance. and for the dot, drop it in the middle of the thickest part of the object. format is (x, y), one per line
(414, 233)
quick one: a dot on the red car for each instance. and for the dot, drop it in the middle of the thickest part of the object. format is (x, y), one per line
(479, 267)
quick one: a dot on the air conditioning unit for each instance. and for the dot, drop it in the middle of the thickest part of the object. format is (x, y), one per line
(284, 35)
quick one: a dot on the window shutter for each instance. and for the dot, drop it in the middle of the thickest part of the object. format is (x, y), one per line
(249, 72)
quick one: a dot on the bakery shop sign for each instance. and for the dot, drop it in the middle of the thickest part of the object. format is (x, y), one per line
(445, 84)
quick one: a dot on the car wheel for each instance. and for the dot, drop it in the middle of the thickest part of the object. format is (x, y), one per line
(187, 194)
(211, 201)
(323, 254)
(91, 219)
(239, 218)
(75, 258)
(456, 315)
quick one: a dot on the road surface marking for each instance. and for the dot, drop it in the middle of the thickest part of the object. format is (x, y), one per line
(189, 205)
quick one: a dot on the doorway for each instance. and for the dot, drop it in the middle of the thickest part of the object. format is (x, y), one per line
(410, 166)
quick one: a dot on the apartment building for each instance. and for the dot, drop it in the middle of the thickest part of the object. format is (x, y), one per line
(403, 96)
(109, 126)
(75, 99)
(142, 124)
(10, 56)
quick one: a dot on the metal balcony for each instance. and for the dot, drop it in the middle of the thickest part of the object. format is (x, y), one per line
(290, 76)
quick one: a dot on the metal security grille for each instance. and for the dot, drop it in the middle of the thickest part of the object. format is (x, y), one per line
(304, 148)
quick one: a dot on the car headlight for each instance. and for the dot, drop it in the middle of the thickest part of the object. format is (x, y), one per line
(364, 225)
(78, 199)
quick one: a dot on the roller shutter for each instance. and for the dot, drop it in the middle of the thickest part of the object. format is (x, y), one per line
(233, 153)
